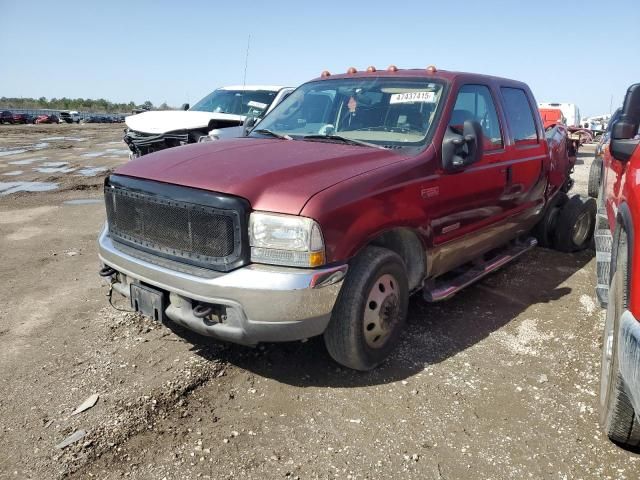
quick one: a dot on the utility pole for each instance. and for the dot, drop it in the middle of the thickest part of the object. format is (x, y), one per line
(610, 104)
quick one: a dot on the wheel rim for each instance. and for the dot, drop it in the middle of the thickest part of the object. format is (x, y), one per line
(581, 229)
(381, 312)
(607, 345)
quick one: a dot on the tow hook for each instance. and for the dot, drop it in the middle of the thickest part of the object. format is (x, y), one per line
(202, 311)
(106, 271)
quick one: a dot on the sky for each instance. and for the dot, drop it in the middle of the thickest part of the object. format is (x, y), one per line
(583, 52)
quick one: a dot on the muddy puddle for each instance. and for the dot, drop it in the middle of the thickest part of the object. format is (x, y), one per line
(7, 188)
(7, 151)
(69, 139)
(28, 161)
(84, 201)
(91, 171)
(107, 152)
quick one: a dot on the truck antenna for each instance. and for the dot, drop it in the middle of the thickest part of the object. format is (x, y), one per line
(244, 78)
(246, 62)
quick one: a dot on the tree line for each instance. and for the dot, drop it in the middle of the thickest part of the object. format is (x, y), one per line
(99, 105)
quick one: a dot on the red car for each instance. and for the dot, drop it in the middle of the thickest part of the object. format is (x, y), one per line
(618, 279)
(353, 193)
(22, 118)
(47, 119)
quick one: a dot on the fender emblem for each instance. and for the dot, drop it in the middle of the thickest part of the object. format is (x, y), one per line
(430, 192)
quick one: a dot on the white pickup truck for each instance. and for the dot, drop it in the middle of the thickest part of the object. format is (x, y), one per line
(223, 108)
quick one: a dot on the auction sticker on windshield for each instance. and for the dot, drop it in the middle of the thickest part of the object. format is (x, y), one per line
(410, 97)
(255, 104)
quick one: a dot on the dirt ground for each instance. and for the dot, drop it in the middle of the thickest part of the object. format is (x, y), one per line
(500, 382)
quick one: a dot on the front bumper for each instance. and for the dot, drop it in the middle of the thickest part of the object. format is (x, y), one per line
(629, 356)
(260, 303)
(143, 143)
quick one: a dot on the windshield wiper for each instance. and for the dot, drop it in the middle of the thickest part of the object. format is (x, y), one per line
(264, 131)
(339, 138)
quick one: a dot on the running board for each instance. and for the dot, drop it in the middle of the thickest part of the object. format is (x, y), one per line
(444, 289)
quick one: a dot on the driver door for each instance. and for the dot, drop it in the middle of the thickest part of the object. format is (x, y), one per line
(469, 208)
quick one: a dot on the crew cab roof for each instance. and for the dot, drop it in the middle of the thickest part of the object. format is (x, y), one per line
(273, 88)
(442, 75)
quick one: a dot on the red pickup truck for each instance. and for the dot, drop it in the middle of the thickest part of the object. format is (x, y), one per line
(355, 192)
(618, 275)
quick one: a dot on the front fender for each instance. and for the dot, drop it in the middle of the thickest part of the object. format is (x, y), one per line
(354, 212)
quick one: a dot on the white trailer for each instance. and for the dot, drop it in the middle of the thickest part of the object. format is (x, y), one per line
(570, 111)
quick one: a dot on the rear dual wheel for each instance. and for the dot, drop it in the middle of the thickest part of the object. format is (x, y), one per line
(575, 224)
(370, 311)
(568, 223)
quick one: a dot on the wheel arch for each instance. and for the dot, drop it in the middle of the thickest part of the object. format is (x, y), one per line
(406, 243)
(624, 222)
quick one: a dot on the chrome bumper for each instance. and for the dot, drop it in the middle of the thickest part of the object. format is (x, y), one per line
(261, 303)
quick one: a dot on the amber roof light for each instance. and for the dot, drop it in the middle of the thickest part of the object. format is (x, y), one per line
(371, 69)
(392, 68)
(325, 74)
(352, 70)
(432, 69)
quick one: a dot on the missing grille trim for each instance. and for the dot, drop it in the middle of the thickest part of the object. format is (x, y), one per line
(191, 226)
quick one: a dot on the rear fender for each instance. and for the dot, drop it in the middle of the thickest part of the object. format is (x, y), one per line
(560, 164)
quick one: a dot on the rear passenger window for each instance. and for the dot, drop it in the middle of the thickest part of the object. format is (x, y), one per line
(474, 102)
(519, 116)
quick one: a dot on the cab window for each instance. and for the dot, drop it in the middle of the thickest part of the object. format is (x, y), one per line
(519, 116)
(474, 102)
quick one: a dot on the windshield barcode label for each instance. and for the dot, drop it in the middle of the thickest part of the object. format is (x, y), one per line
(410, 97)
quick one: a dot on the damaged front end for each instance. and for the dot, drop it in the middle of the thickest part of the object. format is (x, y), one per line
(143, 143)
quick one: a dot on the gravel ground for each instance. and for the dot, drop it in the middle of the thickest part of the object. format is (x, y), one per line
(499, 382)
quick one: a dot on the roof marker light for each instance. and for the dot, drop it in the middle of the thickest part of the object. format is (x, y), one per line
(325, 74)
(352, 70)
(371, 69)
(392, 68)
(432, 69)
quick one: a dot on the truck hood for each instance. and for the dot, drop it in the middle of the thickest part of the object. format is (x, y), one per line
(272, 174)
(172, 120)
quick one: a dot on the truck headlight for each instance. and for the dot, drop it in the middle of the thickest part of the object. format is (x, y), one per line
(285, 240)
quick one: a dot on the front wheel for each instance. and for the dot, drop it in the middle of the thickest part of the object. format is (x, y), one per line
(617, 415)
(595, 172)
(371, 310)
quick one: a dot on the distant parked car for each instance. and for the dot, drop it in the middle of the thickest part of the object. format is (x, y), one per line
(93, 119)
(22, 118)
(66, 117)
(47, 119)
(6, 117)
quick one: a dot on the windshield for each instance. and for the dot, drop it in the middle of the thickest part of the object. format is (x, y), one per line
(388, 112)
(237, 102)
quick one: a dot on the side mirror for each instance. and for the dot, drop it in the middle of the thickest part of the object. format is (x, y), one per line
(248, 124)
(458, 151)
(623, 131)
(185, 106)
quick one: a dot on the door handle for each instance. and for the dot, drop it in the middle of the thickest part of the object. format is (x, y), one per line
(508, 175)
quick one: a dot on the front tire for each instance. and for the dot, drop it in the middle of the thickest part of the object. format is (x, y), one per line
(371, 310)
(595, 174)
(617, 416)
